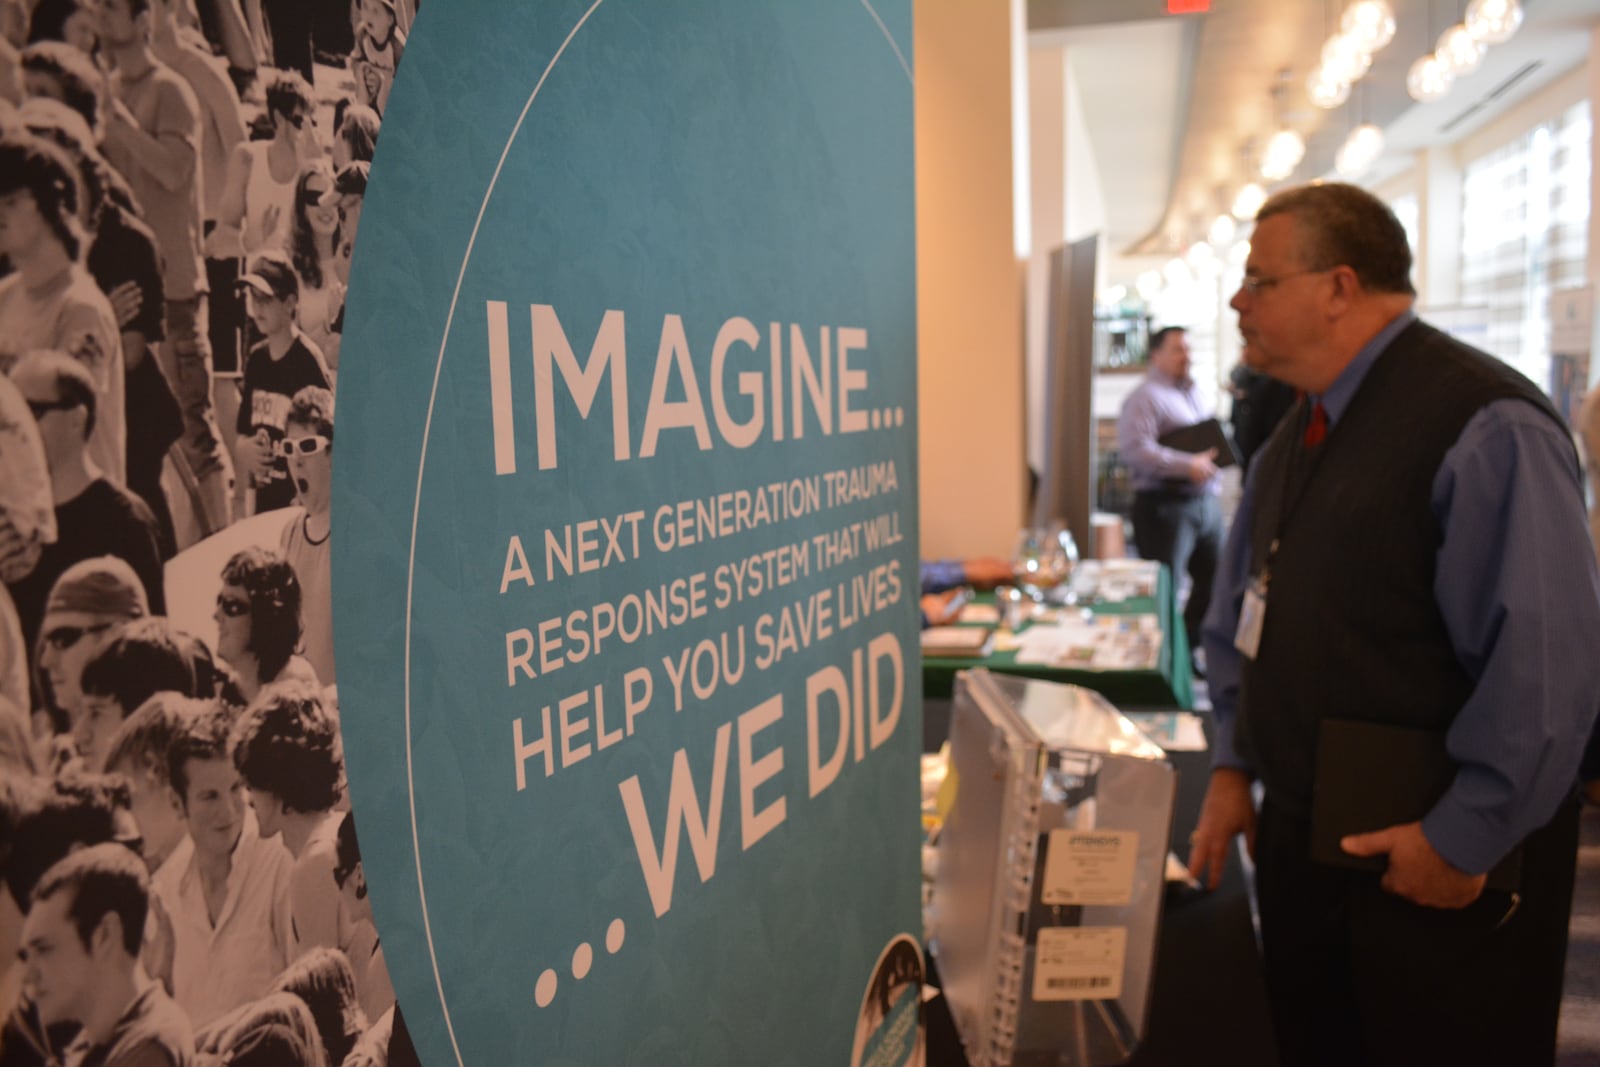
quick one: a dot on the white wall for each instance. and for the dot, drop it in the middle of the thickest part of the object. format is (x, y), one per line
(969, 282)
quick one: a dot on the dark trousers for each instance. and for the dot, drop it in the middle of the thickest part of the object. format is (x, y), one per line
(291, 22)
(1357, 976)
(1184, 531)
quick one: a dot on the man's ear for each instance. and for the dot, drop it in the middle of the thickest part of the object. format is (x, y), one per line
(178, 805)
(107, 934)
(1346, 287)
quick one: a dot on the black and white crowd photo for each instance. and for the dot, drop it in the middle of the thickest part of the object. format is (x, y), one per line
(180, 187)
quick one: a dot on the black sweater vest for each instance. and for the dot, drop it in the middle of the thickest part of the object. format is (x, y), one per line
(1353, 630)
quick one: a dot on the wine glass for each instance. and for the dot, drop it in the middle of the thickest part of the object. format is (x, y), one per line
(1039, 563)
(1068, 547)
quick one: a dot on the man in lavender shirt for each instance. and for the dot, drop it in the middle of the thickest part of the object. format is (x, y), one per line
(1176, 517)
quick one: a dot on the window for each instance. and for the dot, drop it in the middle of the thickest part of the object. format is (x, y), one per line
(1406, 209)
(1524, 233)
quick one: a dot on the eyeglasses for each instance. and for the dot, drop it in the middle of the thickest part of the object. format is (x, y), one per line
(64, 637)
(311, 197)
(232, 607)
(41, 408)
(304, 446)
(1255, 286)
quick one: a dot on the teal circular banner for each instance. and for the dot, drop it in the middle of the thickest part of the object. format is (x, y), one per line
(625, 575)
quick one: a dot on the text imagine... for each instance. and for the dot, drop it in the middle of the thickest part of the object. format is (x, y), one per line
(818, 387)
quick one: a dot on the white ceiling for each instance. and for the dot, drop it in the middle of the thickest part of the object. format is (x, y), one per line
(1133, 78)
(1172, 103)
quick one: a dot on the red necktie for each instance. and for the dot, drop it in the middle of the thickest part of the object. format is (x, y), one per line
(1317, 428)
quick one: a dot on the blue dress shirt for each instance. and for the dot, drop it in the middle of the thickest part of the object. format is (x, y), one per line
(1158, 404)
(1517, 585)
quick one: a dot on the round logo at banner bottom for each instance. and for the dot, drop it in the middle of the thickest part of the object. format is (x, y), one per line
(889, 1028)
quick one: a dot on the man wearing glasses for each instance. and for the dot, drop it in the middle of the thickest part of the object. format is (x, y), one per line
(282, 364)
(257, 201)
(94, 515)
(1409, 566)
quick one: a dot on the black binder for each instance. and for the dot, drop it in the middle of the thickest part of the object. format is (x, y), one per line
(1201, 436)
(1371, 776)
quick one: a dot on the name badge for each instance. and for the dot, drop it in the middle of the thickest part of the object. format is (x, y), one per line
(1252, 614)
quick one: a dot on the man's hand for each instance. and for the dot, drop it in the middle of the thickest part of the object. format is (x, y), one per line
(1416, 872)
(127, 300)
(270, 215)
(254, 453)
(18, 554)
(1203, 466)
(940, 608)
(1226, 812)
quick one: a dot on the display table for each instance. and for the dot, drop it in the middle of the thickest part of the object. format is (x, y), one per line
(1169, 685)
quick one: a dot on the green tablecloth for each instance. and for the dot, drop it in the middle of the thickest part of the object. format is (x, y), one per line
(1171, 685)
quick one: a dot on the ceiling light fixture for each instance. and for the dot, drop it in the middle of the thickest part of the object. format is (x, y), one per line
(1177, 272)
(1326, 91)
(1458, 51)
(1360, 151)
(1344, 59)
(1493, 21)
(1202, 259)
(1370, 23)
(1149, 284)
(1222, 230)
(1428, 80)
(1283, 155)
(1248, 201)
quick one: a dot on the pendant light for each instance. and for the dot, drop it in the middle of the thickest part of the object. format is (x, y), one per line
(1458, 51)
(1248, 201)
(1493, 21)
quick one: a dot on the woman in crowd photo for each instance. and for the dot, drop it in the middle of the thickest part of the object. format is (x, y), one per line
(314, 242)
(258, 620)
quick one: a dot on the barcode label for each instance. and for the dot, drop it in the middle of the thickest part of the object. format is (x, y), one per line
(1079, 963)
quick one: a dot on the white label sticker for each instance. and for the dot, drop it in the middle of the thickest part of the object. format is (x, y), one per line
(1252, 616)
(1089, 867)
(1079, 963)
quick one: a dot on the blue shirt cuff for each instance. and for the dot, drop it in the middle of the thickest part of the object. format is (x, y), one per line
(1223, 754)
(1469, 840)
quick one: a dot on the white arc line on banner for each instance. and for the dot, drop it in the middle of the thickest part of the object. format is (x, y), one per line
(416, 509)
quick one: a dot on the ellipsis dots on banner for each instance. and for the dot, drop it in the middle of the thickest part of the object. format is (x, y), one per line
(544, 990)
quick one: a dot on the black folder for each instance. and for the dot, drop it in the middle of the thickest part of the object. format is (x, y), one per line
(1371, 776)
(1201, 436)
